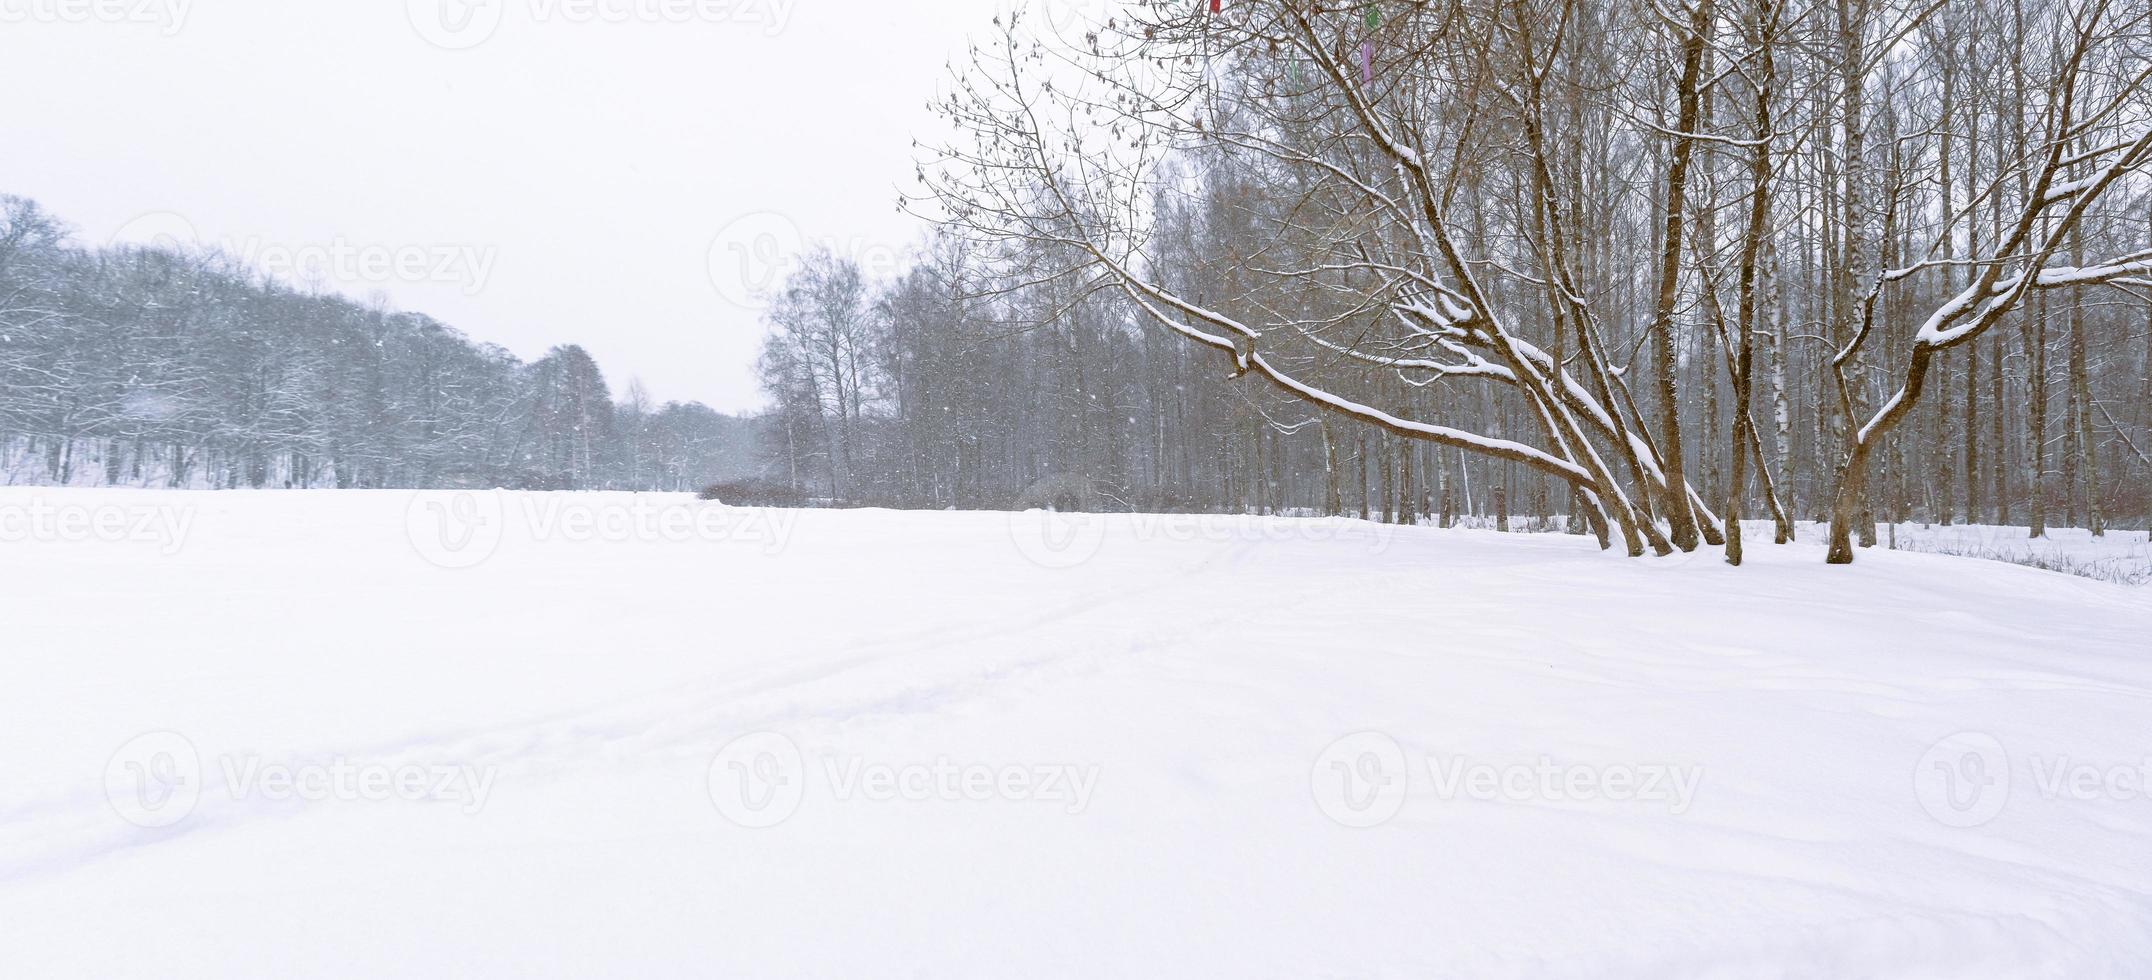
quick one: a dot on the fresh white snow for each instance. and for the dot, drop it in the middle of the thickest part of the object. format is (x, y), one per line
(2123, 554)
(335, 734)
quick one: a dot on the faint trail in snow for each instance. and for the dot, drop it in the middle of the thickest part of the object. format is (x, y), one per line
(80, 826)
(1204, 678)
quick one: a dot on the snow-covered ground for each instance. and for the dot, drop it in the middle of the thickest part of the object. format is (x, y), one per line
(333, 734)
(2121, 555)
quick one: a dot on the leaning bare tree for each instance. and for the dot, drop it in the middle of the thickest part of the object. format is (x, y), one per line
(1571, 206)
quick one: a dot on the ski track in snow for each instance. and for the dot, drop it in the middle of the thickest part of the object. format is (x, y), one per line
(1204, 675)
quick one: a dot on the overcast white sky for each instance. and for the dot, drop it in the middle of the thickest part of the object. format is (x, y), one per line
(550, 171)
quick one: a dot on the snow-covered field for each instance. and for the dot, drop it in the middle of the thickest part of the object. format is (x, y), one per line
(2121, 555)
(336, 734)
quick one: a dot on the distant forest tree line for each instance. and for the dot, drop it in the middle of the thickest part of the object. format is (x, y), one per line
(147, 366)
(960, 385)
